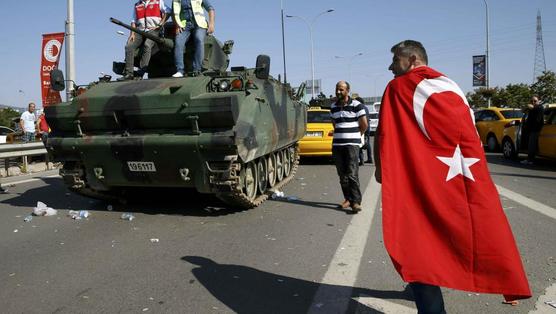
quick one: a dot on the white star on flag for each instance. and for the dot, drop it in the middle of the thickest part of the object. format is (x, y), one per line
(458, 165)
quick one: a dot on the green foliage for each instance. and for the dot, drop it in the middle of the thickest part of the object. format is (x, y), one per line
(6, 116)
(545, 87)
(516, 95)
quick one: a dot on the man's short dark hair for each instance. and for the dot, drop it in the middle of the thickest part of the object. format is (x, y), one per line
(409, 47)
(345, 82)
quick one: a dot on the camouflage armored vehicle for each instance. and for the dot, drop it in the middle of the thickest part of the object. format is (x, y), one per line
(232, 133)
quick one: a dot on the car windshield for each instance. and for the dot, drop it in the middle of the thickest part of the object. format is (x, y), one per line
(373, 115)
(512, 114)
(318, 117)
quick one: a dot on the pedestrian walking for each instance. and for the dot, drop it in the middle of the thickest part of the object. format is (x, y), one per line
(533, 126)
(443, 223)
(350, 122)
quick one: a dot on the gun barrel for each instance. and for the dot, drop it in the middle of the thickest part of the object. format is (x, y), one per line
(164, 42)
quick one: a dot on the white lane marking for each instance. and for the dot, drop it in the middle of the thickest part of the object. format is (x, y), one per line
(334, 293)
(385, 306)
(28, 180)
(549, 296)
(523, 200)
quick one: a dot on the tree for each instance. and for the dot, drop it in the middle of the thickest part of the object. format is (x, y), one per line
(6, 116)
(516, 95)
(545, 87)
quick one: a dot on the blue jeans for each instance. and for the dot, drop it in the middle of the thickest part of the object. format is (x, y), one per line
(198, 48)
(428, 298)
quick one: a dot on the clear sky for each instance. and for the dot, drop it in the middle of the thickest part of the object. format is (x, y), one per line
(451, 30)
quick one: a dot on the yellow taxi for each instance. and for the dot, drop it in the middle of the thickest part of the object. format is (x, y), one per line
(512, 142)
(490, 123)
(318, 136)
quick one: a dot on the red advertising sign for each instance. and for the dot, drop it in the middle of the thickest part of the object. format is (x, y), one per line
(51, 50)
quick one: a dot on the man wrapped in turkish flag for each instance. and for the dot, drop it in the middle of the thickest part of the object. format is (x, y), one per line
(442, 217)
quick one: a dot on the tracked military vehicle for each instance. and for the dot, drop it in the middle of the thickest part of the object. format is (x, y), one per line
(232, 133)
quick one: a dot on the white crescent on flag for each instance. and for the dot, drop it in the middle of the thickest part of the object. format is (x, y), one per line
(426, 88)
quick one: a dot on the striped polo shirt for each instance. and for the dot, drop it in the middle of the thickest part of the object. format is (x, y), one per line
(346, 120)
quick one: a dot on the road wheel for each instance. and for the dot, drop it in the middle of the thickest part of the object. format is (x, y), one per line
(250, 180)
(279, 166)
(271, 166)
(262, 172)
(492, 143)
(286, 161)
(508, 149)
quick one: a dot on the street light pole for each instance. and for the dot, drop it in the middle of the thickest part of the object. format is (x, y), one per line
(487, 51)
(310, 26)
(283, 41)
(70, 63)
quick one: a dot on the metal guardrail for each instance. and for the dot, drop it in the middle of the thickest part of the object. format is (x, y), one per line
(22, 150)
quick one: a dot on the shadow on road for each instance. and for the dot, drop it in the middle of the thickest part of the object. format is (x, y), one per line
(151, 201)
(324, 205)
(540, 163)
(248, 290)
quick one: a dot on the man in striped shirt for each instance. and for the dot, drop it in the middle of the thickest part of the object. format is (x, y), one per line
(350, 122)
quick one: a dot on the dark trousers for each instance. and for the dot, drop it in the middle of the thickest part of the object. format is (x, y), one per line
(428, 299)
(367, 148)
(347, 165)
(532, 145)
(146, 53)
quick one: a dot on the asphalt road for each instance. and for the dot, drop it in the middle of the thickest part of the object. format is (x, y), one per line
(185, 253)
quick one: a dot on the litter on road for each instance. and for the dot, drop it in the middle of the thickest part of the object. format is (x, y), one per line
(127, 216)
(42, 210)
(74, 214)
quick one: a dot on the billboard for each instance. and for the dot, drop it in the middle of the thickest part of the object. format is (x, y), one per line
(309, 88)
(50, 55)
(479, 70)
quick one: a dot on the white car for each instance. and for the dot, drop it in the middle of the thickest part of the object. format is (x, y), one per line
(373, 116)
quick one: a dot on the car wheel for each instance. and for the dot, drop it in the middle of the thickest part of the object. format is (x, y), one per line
(492, 144)
(508, 149)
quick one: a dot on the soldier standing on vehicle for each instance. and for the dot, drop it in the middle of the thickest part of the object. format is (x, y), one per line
(533, 124)
(189, 16)
(350, 122)
(148, 16)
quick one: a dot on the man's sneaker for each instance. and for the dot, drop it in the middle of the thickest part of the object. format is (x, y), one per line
(369, 161)
(140, 73)
(344, 204)
(526, 162)
(178, 74)
(125, 77)
(356, 207)
(194, 73)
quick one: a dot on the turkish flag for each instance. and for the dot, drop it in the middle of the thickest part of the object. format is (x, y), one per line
(443, 222)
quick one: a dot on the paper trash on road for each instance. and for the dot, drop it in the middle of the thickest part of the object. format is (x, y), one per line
(43, 210)
(155, 240)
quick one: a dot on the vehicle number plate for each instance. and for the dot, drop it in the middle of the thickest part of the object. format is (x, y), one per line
(314, 134)
(141, 166)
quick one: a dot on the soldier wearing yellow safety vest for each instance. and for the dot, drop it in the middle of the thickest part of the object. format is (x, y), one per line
(189, 16)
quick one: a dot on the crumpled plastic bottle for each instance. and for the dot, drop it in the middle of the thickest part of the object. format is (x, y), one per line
(127, 216)
(28, 218)
(74, 214)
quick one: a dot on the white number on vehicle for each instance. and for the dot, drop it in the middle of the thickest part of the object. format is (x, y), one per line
(141, 166)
